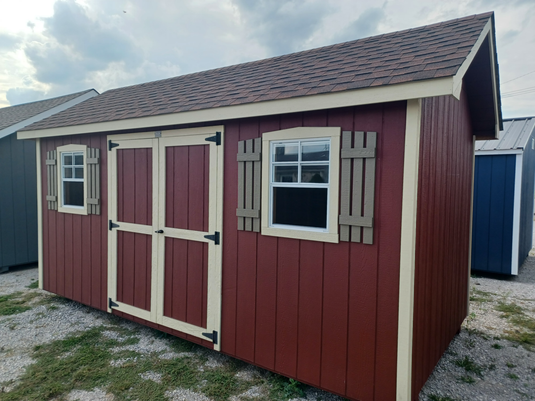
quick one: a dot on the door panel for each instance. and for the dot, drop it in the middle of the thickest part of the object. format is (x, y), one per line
(134, 186)
(187, 187)
(134, 268)
(186, 274)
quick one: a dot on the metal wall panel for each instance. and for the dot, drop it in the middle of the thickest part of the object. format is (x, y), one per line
(18, 202)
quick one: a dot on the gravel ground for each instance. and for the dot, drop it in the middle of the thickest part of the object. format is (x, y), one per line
(505, 370)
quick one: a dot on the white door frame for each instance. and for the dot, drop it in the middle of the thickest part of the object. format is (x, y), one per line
(158, 141)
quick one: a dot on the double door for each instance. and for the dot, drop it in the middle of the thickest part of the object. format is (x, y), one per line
(165, 211)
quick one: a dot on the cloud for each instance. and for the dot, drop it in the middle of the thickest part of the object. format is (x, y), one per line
(74, 46)
(282, 26)
(24, 95)
(9, 42)
(367, 24)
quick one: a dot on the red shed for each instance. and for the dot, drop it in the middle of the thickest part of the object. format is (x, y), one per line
(308, 213)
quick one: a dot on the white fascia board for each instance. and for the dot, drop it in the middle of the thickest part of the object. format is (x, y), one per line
(498, 152)
(64, 106)
(516, 214)
(379, 94)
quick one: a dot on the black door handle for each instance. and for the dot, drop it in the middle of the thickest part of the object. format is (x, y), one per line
(159, 232)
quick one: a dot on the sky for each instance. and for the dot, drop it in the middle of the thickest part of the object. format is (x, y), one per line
(50, 48)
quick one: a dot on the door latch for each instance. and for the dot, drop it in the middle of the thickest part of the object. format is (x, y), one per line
(159, 231)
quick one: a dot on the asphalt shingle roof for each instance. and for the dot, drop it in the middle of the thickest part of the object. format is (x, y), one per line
(15, 114)
(423, 53)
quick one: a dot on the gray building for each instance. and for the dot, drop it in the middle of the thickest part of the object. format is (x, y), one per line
(18, 198)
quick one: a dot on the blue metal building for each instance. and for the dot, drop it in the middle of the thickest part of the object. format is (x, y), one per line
(504, 198)
(18, 183)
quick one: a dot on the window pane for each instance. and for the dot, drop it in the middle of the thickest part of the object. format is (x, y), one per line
(67, 172)
(315, 151)
(315, 174)
(286, 152)
(285, 173)
(73, 193)
(78, 172)
(306, 207)
(79, 159)
(67, 159)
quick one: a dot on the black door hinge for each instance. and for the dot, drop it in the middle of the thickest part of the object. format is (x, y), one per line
(112, 225)
(216, 138)
(214, 237)
(112, 145)
(212, 336)
(111, 304)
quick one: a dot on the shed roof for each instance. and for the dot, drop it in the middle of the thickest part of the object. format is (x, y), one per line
(16, 117)
(424, 54)
(515, 135)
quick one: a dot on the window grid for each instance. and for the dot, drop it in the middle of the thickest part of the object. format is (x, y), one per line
(72, 167)
(299, 183)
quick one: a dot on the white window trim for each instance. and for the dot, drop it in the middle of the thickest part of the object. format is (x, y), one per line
(303, 133)
(59, 158)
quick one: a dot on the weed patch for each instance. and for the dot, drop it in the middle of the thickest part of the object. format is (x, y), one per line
(33, 285)
(469, 365)
(524, 332)
(467, 379)
(480, 296)
(15, 303)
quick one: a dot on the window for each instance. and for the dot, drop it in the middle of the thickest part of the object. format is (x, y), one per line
(300, 183)
(72, 179)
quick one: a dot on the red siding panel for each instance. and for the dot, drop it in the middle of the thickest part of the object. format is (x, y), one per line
(443, 224)
(75, 247)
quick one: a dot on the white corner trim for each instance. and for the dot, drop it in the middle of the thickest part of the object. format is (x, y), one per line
(458, 78)
(379, 94)
(516, 214)
(64, 106)
(39, 213)
(407, 263)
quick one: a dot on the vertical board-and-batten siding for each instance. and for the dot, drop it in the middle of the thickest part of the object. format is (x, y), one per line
(75, 246)
(443, 224)
(18, 202)
(323, 313)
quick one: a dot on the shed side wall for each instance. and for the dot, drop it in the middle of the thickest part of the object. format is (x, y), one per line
(18, 202)
(443, 231)
(325, 314)
(75, 247)
(494, 193)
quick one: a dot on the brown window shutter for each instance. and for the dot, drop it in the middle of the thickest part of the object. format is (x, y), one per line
(93, 180)
(52, 179)
(249, 184)
(357, 190)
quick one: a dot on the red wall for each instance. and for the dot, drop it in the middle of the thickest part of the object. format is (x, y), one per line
(75, 247)
(325, 314)
(443, 228)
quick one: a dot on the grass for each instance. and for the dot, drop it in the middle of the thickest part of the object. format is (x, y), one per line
(512, 376)
(82, 361)
(469, 365)
(467, 379)
(33, 285)
(480, 296)
(525, 325)
(15, 303)
(496, 346)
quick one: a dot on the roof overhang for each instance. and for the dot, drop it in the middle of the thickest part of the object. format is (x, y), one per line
(480, 75)
(379, 94)
(64, 106)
